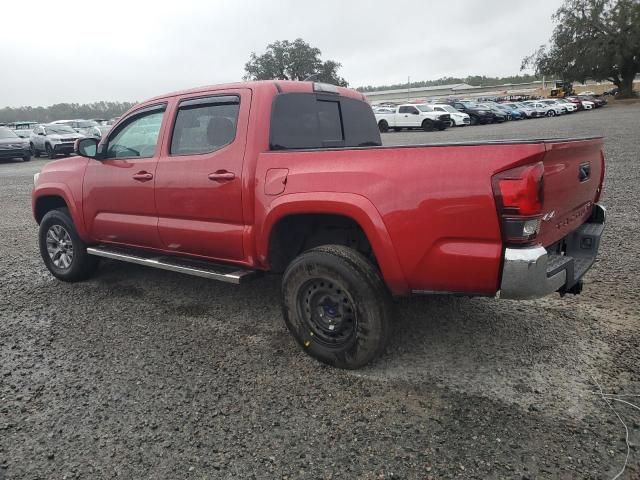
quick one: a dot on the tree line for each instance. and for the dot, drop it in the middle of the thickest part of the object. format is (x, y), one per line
(63, 111)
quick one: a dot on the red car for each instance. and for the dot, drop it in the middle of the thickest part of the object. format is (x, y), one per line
(228, 181)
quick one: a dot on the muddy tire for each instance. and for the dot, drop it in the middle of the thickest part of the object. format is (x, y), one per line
(336, 306)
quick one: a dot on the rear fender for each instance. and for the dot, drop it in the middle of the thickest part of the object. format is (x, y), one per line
(355, 207)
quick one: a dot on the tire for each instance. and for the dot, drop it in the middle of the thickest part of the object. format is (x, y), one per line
(336, 306)
(50, 152)
(383, 126)
(427, 125)
(473, 120)
(34, 151)
(74, 264)
(26, 158)
(551, 113)
(452, 123)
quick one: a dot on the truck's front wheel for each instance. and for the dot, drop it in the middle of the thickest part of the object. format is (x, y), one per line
(63, 251)
(427, 125)
(336, 306)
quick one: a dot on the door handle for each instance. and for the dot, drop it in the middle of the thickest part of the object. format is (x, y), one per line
(222, 176)
(143, 176)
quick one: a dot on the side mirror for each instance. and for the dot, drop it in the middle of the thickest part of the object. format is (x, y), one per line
(415, 112)
(86, 147)
(41, 134)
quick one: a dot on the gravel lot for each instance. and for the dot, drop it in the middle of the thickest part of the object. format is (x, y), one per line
(140, 373)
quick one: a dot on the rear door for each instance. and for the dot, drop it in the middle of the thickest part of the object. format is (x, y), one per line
(199, 177)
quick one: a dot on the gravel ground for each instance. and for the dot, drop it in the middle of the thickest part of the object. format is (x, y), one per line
(140, 373)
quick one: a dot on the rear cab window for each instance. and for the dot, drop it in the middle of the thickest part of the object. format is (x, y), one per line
(317, 120)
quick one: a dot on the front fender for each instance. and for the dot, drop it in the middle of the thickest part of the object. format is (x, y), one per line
(55, 189)
(354, 206)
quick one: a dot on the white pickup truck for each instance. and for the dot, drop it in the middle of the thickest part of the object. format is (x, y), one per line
(412, 116)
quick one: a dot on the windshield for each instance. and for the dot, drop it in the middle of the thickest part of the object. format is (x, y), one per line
(425, 108)
(6, 133)
(87, 124)
(449, 108)
(58, 129)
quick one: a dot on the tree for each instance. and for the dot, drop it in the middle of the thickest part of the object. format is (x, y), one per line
(65, 111)
(593, 39)
(297, 60)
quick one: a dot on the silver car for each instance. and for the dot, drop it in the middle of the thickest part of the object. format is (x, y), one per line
(53, 139)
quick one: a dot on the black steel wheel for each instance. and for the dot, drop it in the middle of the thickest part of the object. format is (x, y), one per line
(336, 306)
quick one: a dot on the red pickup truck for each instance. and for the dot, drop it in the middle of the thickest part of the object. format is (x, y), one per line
(228, 181)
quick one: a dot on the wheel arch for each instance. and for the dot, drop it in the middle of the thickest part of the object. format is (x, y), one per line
(51, 196)
(355, 209)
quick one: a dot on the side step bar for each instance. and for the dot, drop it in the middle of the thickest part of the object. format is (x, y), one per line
(198, 268)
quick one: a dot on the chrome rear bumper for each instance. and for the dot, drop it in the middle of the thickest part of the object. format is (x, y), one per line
(535, 272)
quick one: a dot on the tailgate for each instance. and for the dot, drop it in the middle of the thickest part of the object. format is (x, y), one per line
(573, 172)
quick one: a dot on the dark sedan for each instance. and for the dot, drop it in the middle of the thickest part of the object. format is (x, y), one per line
(12, 146)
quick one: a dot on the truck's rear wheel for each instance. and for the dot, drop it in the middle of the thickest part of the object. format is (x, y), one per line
(383, 126)
(63, 251)
(336, 306)
(427, 125)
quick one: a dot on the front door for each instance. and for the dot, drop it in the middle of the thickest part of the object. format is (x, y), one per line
(119, 203)
(199, 176)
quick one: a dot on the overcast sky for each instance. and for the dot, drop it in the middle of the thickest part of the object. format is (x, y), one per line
(84, 51)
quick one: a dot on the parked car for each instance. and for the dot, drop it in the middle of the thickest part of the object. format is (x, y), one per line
(77, 125)
(53, 139)
(527, 110)
(12, 146)
(568, 107)
(22, 129)
(550, 110)
(597, 101)
(458, 119)
(409, 115)
(96, 131)
(276, 176)
(581, 103)
(512, 113)
(477, 113)
(499, 115)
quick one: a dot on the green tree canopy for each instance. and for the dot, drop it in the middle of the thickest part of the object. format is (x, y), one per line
(297, 60)
(593, 39)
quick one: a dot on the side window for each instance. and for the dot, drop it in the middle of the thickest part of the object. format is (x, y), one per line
(403, 110)
(458, 106)
(137, 137)
(204, 125)
(413, 110)
(438, 109)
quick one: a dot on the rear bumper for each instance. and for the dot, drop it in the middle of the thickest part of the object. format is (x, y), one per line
(536, 271)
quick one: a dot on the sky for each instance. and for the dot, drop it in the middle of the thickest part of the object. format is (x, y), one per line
(83, 51)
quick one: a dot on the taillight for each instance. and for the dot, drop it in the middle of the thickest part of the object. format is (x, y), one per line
(519, 195)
